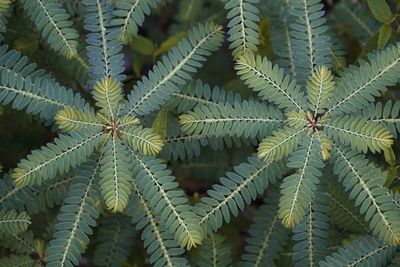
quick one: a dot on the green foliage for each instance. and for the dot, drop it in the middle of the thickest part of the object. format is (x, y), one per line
(214, 252)
(12, 222)
(21, 261)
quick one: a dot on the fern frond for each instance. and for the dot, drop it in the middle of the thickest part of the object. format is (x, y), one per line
(66, 152)
(236, 189)
(21, 244)
(18, 261)
(77, 218)
(296, 120)
(387, 114)
(280, 144)
(53, 22)
(360, 134)
(364, 183)
(129, 16)
(270, 82)
(365, 251)
(325, 144)
(197, 93)
(358, 86)
(214, 252)
(115, 175)
(311, 43)
(108, 96)
(144, 140)
(267, 235)
(320, 88)
(174, 70)
(249, 119)
(298, 189)
(71, 119)
(243, 27)
(311, 234)
(160, 244)
(103, 46)
(176, 215)
(114, 242)
(12, 222)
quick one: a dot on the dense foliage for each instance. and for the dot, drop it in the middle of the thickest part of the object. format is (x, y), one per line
(199, 133)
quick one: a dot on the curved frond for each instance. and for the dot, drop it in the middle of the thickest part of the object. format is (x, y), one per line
(129, 16)
(243, 27)
(298, 189)
(53, 22)
(13, 223)
(174, 70)
(270, 82)
(77, 218)
(144, 140)
(280, 144)
(248, 119)
(18, 261)
(108, 96)
(360, 134)
(21, 244)
(267, 235)
(311, 42)
(364, 183)
(103, 45)
(387, 114)
(237, 188)
(214, 252)
(115, 174)
(160, 189)
(320, 88)
(66, 152)
(365, 251)
(359, 85)
(71, 119)
(114, 242)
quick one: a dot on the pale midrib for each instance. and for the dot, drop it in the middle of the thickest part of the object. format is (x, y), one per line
(81, 122)
(290, 49)
(115, 173)
(320, 89)
(140, 138)
(265, 243)
(59, 32)
(274, 84)
(365, 187)
(162, 191)
(265, 154)
(15, 221)
(23, 242)
(175, 70)
(365, 85)
(194, 99)
(362, 24)
(310, 237)
(214, 250)
(234, 193)
(153, 225)
(103, 38)
(309, 36)
(354, 133)
(372, 253)
(238, 119)
(128, 16)
(186, 138)
(242, 26)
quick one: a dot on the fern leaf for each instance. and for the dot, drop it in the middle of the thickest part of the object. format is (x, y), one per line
(103, 46)
(386, 114)
(59, 157)
(280, 144)
(366, 251)
(53, 22)
(320, 88)
(236, 189)
(12, 222)
(214, 252)
(21, 244)
(296, 120)
(325, 144)
(311, 43)
(243, 27)
(163, 250)
(129, 16)
(108, 96)
(311, 234)
(76, 220)
(71, 119)
(298, 189)
(114, 242)
(359, 133)
(249, 119)
(267, 235)
(358, 86)
(176, 215)
(174, 70)
(18, 261)
(364, 183)
(115, 175)
(270, 82)
(144, 140)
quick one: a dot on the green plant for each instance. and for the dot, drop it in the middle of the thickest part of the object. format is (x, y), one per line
(167, 164)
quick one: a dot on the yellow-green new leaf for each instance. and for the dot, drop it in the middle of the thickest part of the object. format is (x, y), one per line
(108, 96)
(319, 88)
(144, 140)
(380, 9)
(69, 119)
